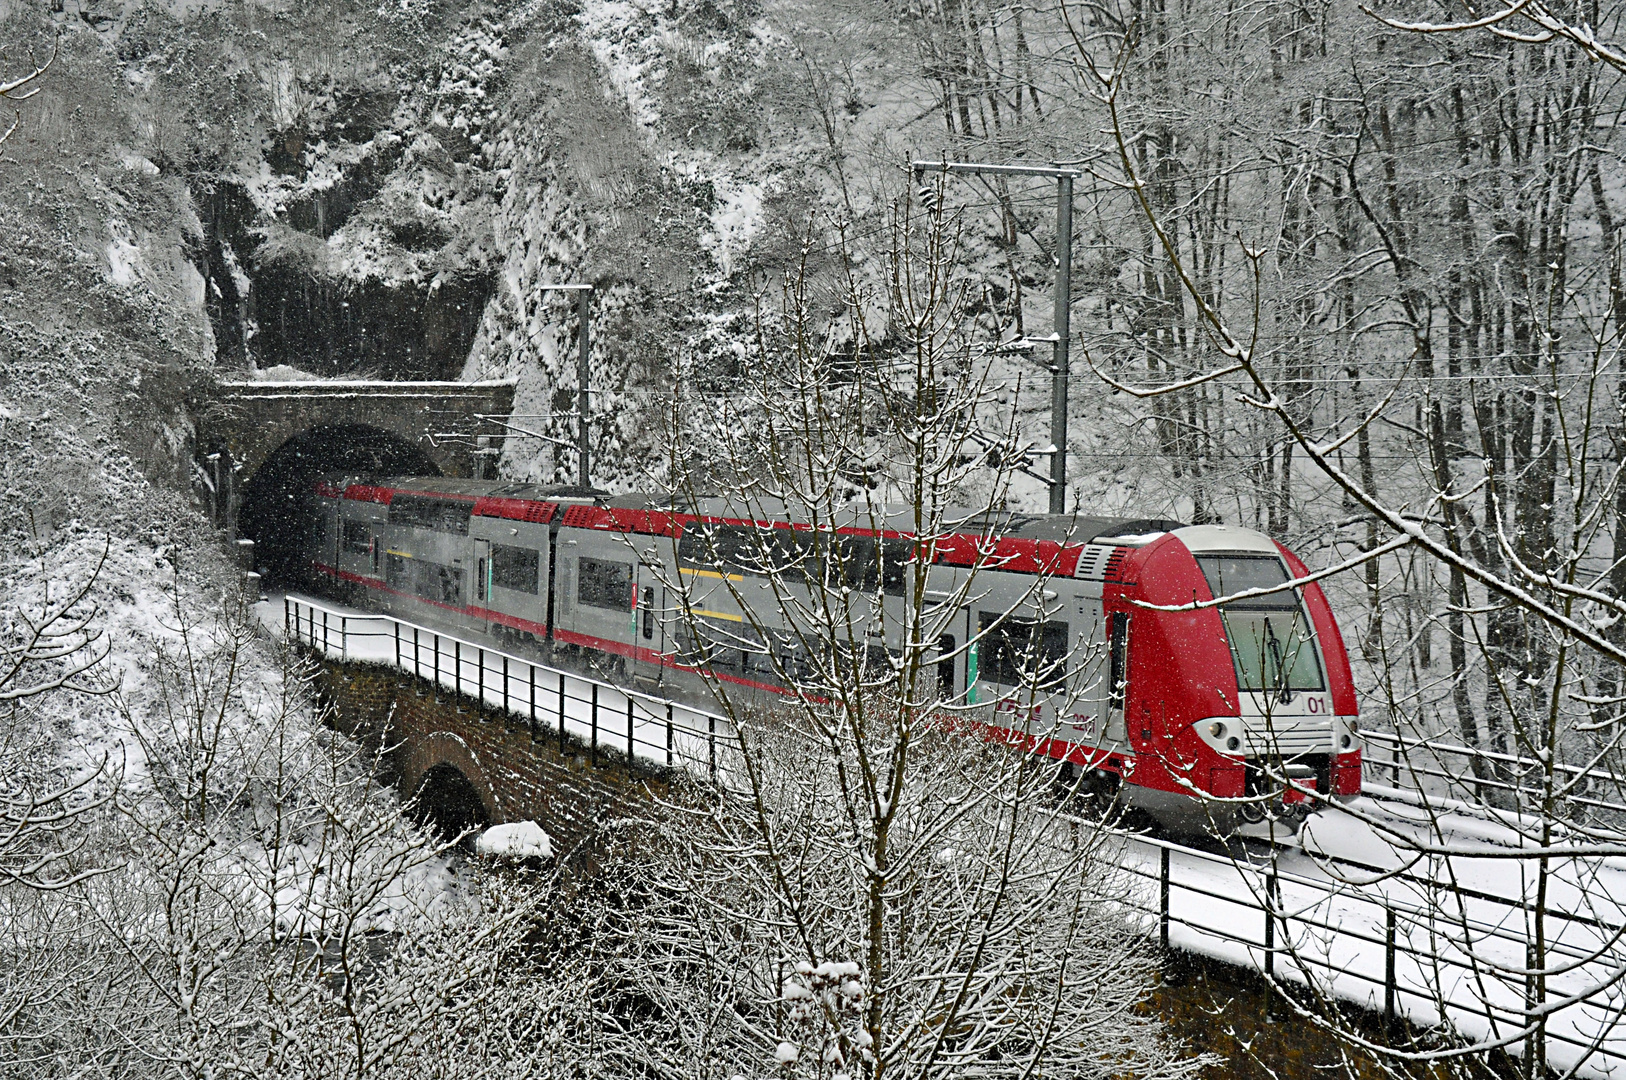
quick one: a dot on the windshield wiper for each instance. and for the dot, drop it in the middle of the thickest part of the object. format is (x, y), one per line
(1275, 645)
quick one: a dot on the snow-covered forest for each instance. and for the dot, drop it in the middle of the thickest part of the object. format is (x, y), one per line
(1347, 274)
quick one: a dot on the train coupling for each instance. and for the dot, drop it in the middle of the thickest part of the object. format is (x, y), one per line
(1297, 797)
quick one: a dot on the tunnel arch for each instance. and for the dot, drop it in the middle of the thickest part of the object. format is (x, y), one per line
(448, 802)
(276, 512)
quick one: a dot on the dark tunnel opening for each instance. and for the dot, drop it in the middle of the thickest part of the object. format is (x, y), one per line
(276, 510)
(448, 803)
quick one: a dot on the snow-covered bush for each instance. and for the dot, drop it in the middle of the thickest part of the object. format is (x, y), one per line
(874, 902)
(249, 902)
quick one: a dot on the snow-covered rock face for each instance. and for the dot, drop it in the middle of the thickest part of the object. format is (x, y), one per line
(386, 188)
(516, 840)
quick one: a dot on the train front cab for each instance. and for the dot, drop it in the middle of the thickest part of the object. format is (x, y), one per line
(1227, 701)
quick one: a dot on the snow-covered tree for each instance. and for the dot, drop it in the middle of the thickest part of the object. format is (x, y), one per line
(1477, 296)
(877, 887)
(251, 903)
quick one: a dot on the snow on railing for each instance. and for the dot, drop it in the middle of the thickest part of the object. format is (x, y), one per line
(1386, 945)
(1420, 763)
(1386, 941)
(600, 715)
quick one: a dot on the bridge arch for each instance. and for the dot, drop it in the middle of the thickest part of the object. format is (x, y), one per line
(445, 777)
(274, 504)
(448, 802)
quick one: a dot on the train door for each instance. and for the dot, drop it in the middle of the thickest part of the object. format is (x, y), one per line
(648, 626)
(954, 669)
(480, 599)
(1117, 696)
(948, 677)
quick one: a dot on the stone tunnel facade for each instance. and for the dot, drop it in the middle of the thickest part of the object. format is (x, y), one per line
(456, 425)
(519, 773)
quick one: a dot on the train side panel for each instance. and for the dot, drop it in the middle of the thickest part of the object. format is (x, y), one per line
(510, 561)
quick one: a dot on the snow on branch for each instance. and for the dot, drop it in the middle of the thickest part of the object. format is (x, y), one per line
(25, 87)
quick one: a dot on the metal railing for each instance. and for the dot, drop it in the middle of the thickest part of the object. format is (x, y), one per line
(1406, 947)
(1510, 779)
(1388, 948)
(598, 715)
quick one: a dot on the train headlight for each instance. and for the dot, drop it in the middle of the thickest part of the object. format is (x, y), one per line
(1216, 729)
(1346, 740)
(1233, 743)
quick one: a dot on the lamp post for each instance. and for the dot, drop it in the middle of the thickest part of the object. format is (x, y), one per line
(584, 295)
(1064, 178)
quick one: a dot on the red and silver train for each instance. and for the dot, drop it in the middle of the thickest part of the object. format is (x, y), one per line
(1251, 701)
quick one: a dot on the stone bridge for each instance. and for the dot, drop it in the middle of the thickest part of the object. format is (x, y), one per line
(480, 736)
(469, 765)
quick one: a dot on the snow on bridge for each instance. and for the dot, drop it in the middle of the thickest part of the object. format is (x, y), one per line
(1427, 942)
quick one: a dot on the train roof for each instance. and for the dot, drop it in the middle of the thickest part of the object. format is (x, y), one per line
(1031, 543)
(1081, 528)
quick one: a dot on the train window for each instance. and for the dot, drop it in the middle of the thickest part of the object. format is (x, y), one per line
(515, 568)
(423, 512)
(647, 602)
(705, 544)
(1273, 650)
(895, 556)
(398, 574)
(430, 580)
(693, 547)
(604, 583)
(443, 584)
(796, 555)
(865, 660)
(855, 564)
(358, 538)
(756, 660)
(1230, 574)
(1017, 652)
(714, 643)
(791, 658)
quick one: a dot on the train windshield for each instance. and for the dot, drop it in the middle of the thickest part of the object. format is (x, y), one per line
(1270, 638)
(1273, 650)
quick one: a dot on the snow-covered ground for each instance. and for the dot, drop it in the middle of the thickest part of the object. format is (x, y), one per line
(1460, 925)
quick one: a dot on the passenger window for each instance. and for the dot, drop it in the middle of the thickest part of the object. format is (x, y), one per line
(1019, 652)
(895, 555)
(647, 601)
(515, 568)
(604, 583)
(358, 538)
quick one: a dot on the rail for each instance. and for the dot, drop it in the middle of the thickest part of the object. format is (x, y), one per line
(598, 714)
(1385, 945)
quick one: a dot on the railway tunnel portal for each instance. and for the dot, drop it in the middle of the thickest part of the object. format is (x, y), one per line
(259, 445)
